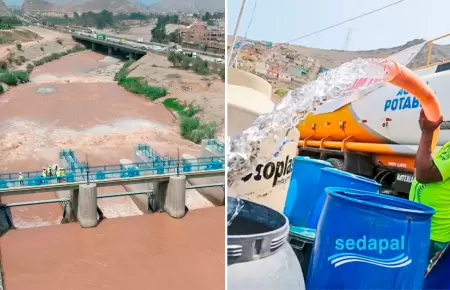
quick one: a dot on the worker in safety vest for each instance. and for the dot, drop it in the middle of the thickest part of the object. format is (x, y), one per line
(43, 175)
(58, 176)
(49, 171)
(431, 186)
(20, 178)
(62, 174)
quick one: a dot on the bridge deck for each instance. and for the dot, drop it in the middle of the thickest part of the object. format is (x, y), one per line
(141, 252)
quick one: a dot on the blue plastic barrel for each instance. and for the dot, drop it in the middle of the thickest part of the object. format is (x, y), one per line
(438, 278)
(370, 241)
(300, 198)
(332, 177)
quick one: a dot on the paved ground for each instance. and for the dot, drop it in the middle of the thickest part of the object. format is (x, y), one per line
(140, 252)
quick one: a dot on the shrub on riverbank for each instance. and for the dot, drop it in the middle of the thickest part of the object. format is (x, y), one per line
(122, 73)
(196, 64)
(58, 55)
(140, 87)
(13, 78)
(192, 129)
(181, 109)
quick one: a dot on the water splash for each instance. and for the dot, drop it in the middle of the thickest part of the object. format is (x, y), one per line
(271, 130)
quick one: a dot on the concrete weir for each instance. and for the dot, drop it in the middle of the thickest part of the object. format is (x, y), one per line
(142, 201)
(194, 199)
(215, 195)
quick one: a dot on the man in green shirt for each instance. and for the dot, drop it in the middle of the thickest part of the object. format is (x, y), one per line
(431, 186)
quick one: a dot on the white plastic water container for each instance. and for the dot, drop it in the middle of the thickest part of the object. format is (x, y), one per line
(269, 183)
(249, 96)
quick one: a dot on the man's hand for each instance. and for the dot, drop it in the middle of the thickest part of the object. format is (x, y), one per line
(426, 171)
(426, 125)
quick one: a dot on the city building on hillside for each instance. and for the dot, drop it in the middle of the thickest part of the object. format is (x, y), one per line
(261, 68)
(273, 72)
(198, 36)
(284, 76)
(193, 33)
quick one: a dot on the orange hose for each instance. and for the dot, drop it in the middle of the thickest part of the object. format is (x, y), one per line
(404, 78)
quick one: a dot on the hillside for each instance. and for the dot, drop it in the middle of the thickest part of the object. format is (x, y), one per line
(115, 6)
(4, 11)
(188, 6)
(333, 58)
(287, 66)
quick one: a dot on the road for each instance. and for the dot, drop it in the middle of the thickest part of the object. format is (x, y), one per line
(151, 46)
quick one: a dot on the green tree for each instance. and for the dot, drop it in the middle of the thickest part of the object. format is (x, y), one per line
(174, 36)
(222, 73)
(66, 16)
(186, 63)
(206, 16)
(200, 66)
(172, 57)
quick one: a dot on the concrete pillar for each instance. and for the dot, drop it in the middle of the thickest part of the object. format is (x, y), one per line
(93, 45)
(109, 50)
(175, 200)
(85, 201)
(131, 56)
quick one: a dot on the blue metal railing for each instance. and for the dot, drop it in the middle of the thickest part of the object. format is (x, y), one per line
(79, 171)
(216, 145)
(134, 169)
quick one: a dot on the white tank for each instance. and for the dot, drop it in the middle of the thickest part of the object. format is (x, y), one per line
(248, 97)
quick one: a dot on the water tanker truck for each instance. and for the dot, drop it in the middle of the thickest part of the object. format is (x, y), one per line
(376, 135)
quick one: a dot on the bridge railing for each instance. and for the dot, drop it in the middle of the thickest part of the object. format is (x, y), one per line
(216, 145)
(136, 169)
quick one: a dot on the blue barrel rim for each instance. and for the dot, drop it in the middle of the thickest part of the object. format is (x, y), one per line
(282, 229)
(420, 208)
(312, 160)
(349, 174)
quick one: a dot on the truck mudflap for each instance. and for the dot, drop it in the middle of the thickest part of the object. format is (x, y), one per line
(402, 182)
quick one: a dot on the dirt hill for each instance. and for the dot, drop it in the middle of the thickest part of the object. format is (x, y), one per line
(286, 66)
(115, 6)
(4, 11)
(334, 58)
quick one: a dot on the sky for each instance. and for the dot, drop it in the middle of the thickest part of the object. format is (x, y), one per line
(284, 20)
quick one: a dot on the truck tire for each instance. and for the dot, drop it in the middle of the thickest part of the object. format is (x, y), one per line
(337, 163)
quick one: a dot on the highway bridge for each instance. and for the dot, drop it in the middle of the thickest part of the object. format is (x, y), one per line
(127, 48)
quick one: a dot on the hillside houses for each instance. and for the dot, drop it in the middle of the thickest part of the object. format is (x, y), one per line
(278, 64)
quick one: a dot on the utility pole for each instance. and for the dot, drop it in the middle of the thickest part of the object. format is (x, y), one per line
(233, 43)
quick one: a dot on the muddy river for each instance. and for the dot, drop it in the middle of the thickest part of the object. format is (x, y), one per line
(74, 103)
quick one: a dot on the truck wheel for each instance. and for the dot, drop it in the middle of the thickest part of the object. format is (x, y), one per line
(337, 163)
